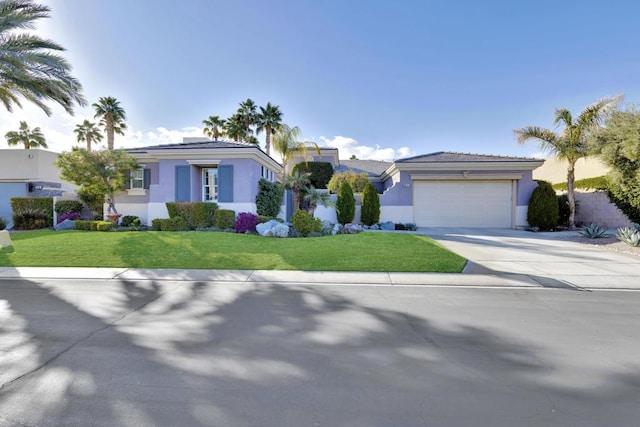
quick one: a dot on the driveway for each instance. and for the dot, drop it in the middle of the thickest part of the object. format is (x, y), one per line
(546, 258)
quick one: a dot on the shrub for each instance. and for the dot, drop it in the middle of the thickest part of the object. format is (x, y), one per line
(156, 224)
(269, 198)
(304, 223)
(321, 172)
(345, 204)
(246, 222)
(83, 225)
(264, 218)
(36, 209)
(629, 235)
(30, 219)
(370, 213)
(627, 200)
(94, 201)
(197, 214)
(543, 207)
(596, 183)
(74, 216)
(224, 218)
(170, 224)
(358, 181)
(103, 225)
(594, 231)
(68, 206)
(130, 221)
(3, 223)
(400, 226)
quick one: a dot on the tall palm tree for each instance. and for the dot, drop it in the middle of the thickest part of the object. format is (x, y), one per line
(213, 127)
(29, 65)
(286, 143)
(248, 112)
(112, 117)
(571, 143)
(31, 138)
(269, 120)
(88, 132)
(234, 128)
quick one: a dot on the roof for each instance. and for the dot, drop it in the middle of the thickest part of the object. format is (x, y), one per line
(446, 156)
(370, 167)
(194, 145)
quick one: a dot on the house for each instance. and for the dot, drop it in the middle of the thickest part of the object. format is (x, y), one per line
(196, 170)
(440, 189)
(446, 189)
(28, 173)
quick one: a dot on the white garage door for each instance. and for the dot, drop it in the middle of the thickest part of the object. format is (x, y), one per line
(462, 203)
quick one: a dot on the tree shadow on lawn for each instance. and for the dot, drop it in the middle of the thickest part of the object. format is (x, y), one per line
(196, 354)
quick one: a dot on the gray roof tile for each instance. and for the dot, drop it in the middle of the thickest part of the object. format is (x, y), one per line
(445, 156)
(371, 167)
(194, 145)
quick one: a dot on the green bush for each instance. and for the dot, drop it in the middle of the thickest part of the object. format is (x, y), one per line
(93, 201)
(321, 172)
(68, 206)
(304, 223)
(627, 200)
(345, 204)
(358, 181)
(156, 224)
(224, 218)
(269, 198)
(103, 225)
(130, 221)
(175, 224)
(83, 225)
(264, 218)
(596, 183)
(370, 213)
(563, 210)
(38, 212)
(197, 214)
(543, 207)
(3, 223)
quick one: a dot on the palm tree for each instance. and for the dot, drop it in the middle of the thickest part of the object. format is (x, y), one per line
(296, 182)
(234, 128)
(571, 143)
(269, 120)
(213, 127)
(112, 117)
(88, 131)
(316, 197)
(31, 138)
(286, 143)
(29, 66)
(248, 113)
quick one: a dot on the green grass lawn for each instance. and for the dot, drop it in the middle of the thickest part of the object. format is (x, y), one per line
(211, 250)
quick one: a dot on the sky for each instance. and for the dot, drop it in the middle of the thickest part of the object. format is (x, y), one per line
(377, 79)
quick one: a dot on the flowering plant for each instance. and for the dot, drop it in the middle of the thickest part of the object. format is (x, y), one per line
(246, 222)
(71, 215)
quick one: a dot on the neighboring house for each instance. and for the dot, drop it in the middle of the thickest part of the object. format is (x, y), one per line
(451, 189)
(28, 173)
(226, 173)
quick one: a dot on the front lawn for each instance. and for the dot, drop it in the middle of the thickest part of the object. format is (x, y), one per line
(229, 251)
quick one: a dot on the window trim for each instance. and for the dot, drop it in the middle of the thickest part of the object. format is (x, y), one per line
(204, 185)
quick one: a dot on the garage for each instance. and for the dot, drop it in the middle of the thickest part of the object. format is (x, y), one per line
(459, 203)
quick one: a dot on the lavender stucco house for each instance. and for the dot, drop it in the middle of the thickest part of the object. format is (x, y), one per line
(433, 190)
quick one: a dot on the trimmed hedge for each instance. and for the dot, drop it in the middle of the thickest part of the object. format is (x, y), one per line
(197, 214)
(68, 206)
(596, 183)
(345, 204)
(304, 223)
(224, 218)
(358, 181)
(30, 213)
(269, 198)
(321, 172)
(94, 225)
(370, 213)
(543, 207)
(130, 221)
(170, 224)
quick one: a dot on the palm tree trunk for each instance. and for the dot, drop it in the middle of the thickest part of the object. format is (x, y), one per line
(88, 143)
(110, 135)
(570, 194)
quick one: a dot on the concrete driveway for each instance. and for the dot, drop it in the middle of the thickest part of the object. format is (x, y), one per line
(545, 258)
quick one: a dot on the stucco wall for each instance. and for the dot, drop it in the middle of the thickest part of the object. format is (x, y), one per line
(555, 170)
(595, 207)
(7, 191)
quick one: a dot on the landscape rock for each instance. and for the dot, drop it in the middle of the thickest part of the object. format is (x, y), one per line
(389, 225)
(67, 224)
(266, 227)
(5, 239)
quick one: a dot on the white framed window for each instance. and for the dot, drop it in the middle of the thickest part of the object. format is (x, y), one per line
(136, 179)
(267, 174)
(209, 184)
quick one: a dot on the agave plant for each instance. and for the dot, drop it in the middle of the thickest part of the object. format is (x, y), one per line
(636, 226)
(594, 231)
(629, 235)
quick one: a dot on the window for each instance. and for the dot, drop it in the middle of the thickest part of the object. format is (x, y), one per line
(209, 185)
(136, 180)
(267, 174)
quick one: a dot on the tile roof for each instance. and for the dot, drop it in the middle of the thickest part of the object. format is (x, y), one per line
(370, 167)
(194, 145)
(445, 156)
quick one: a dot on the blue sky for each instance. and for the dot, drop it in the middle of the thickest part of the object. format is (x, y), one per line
(378, 79)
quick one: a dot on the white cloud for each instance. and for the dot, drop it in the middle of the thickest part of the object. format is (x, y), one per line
(349, 146)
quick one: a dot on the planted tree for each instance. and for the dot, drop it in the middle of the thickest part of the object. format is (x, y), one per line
(296, 182)
(269, 198)
(287, 143)
(234, 128)
(88, 132)
(100, 173)
(543, 207)
(30, 138)
(571, 144)
(112, 117)
(370, 213)
(248, 114)
(345, 204)
(213, 127)
(315, 198)
(30, 67)
(269, 120)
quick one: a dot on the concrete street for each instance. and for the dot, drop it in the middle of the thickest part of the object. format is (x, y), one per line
(131, 352)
